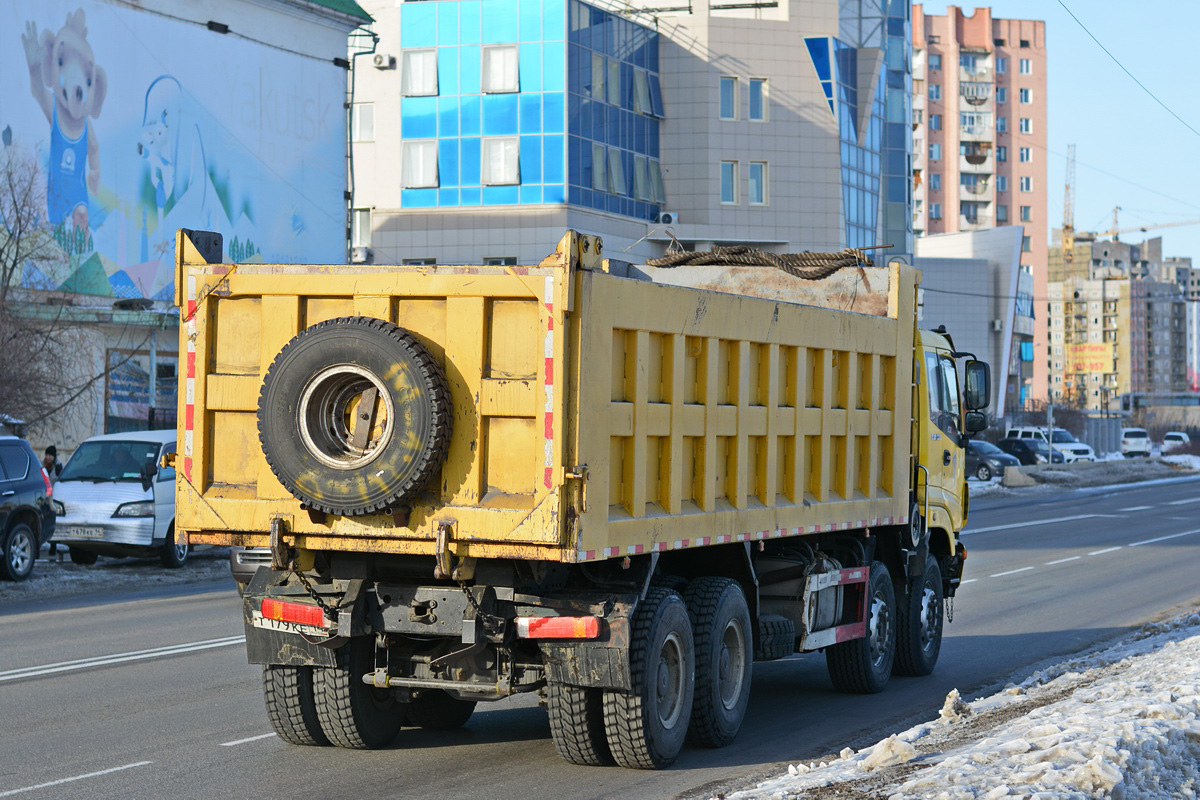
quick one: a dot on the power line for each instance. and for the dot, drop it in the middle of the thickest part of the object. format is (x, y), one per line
(1126, 71)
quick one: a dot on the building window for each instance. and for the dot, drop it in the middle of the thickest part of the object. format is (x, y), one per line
(1026, 95)
(975, 121)
(758, 99)
(641, 93)
(1026, 213)
(500, 73)
(999, 42)
(1001, 124)
(728, 97)
(614, 82)
(935, 152)
(1001, 213)
(935, 210)
(362, 122)
(1027, 154)
(935, 122)
(641, 179)
(419, 164)
(428, 261)
(1001, 150)
(1026, 244)
(1002, 64)
(1026, 66)
(597, 88)
(1026, 125)
(1001, 183)
(501, 162)
(616, 171)
(935, 60)
(599, 181)
(418, 73)
(499, 261)
(656, 182)
(758, 183)
(1024, 43)
(729, 182)
(1026, 183)
(935, 91)
(935, 181)
(1001, 94)
(360, 230)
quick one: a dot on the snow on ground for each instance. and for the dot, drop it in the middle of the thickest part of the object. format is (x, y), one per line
(1120, 722)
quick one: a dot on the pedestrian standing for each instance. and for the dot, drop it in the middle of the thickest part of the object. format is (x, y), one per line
(53, 469)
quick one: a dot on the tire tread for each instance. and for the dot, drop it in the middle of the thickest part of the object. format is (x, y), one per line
(577, 724)
(291, 707)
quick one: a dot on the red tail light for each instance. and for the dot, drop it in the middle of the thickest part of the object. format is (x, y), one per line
(558, 627)
(300, 613)
(49, 485)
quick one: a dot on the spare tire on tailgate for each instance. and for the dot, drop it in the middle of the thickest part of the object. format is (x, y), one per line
(354, 416)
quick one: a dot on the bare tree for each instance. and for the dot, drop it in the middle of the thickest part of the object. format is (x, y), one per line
(49, 355)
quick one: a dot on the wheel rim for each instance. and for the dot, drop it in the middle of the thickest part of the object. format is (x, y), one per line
(930, 613)
(881, 629)
(20, 552)
(732, 664)
(983, 473)
(346, 416)
(181, 552)
(669, 680)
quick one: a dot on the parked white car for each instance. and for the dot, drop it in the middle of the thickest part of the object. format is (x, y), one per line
(1174, 440)
(1135, 442)
(114, 499)
(1061, 440)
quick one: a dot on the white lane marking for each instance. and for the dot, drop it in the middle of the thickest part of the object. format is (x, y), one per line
(247, 739)
(1135, 508)
(1163, 538)
(968, 580)
(1063, 560)
(1032, 523)
(117, 658)
(61, 781)
(1185, 500)
(1102, 552)
(1010, 572)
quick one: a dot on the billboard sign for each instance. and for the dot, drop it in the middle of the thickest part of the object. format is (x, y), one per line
(1091, 357)
(141, 124)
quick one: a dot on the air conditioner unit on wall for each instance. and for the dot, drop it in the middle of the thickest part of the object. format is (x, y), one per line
(383, 61)
(360, 255)
(997, 325)
(667, 218)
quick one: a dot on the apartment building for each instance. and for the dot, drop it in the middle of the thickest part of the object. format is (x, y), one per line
(979, 141)
(483, 128)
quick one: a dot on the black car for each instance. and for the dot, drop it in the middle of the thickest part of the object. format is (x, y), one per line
(26, 515)
(1030, 451)
(984, 460)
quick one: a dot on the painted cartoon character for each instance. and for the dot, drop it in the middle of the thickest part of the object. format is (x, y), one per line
(70, 87)
(170, 143)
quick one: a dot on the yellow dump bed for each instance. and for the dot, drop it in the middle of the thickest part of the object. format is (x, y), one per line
(595, 414)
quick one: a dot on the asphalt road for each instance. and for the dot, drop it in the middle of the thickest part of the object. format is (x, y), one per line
(150, 697)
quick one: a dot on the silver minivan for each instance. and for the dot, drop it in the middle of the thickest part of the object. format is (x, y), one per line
(114, 499)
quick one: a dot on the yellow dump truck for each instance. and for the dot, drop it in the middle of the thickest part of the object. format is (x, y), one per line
(615, 486)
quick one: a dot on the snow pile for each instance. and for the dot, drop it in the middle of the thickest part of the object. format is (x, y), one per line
(1123, 722)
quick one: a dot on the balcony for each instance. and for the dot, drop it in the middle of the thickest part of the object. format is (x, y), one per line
(979, 131)
(976, 93)
(980, 73)
(974, 222)
(978, 190)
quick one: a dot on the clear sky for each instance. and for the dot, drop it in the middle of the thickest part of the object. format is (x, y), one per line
(1129, 150)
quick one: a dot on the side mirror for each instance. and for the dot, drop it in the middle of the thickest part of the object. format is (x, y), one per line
(977, 391)
(148, 473)
(975, 422)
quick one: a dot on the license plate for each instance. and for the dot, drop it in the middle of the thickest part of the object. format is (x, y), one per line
(79, 533)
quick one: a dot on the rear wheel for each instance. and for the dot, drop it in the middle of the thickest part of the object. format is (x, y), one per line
(864, 665)
(436, 710)
(353, 714)
(919, 623)
(83, 557)
(20, 548)
(984, 472)
(724, 644)
(646, 727)
(577, 724)
(291, 707)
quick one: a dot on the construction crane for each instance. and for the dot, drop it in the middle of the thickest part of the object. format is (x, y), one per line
(1116, 230)
(1068, 226)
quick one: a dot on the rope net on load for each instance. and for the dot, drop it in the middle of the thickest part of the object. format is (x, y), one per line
(807, 265)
